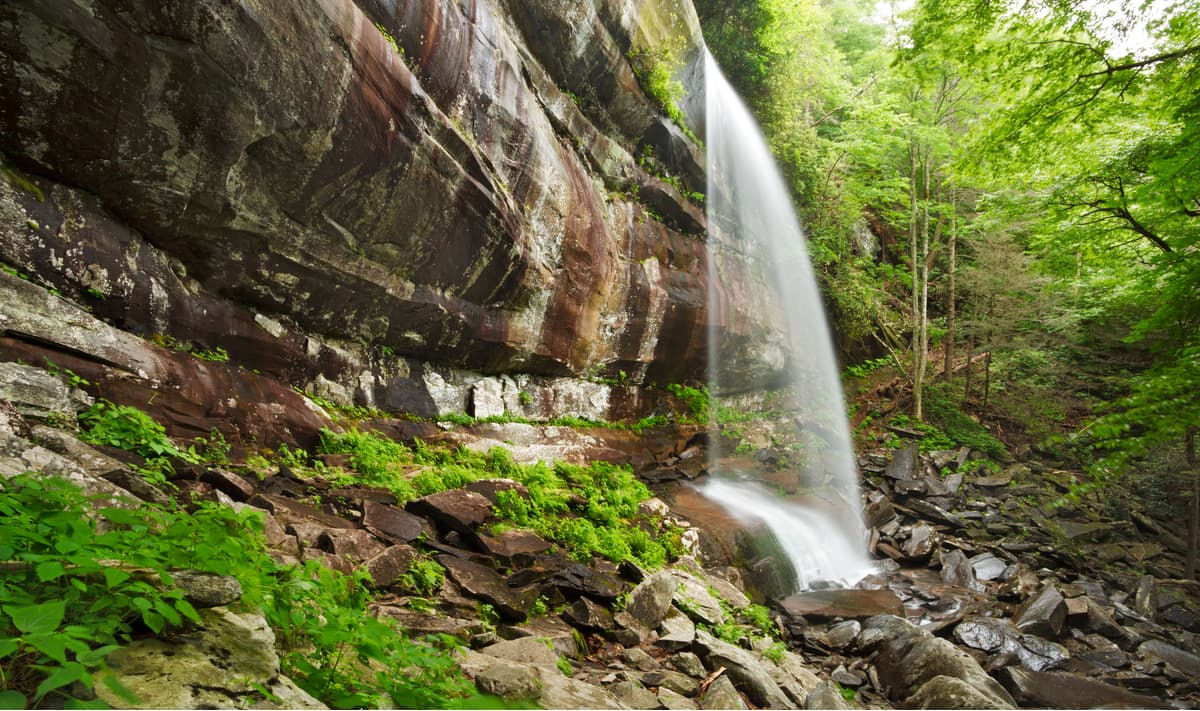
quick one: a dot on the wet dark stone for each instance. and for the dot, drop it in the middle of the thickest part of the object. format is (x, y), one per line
(987, 566)
(1043, 615)
(234, 486)
(454, 509)
(828, 604)
(391, 523)
(389, 564)
(1157, 650)
(487, 585)
(588, 616)
(904, 463)
(1064, 691)
(512, 546)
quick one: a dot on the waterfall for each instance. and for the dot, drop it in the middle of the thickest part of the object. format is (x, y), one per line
(755, 241)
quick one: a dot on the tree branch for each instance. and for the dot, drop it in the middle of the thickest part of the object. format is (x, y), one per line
(1111, 69)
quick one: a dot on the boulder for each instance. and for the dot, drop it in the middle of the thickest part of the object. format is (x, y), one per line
(512, 546)
(692, 596)
(948, 692)
(453, 509)
(560, 692)
(486, 584)
(1044, 615)
(676, 632)
(689, 664)
(848, 603)
(391, 523)
(36, 394)
(1067, 691)
(228, 662)
(675, 681)
(909, 657)
(921, 542)
(207, 589)
(525, 650)
(794, 677)
(904, 463)
(1154, 650)
(639, 659)
(825, 696)
(721, 694)
(353, 544)
(998, 638)
(649, 601)
(389, 564)
(511, 682)
(589, 616)
(745, 670)
(957, 570)
(671, 699)
(633, 695)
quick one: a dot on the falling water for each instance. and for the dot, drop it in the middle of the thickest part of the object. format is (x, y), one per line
(755, 238)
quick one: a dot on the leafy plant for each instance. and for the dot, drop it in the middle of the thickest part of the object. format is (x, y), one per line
(424, 577)
(126, 427)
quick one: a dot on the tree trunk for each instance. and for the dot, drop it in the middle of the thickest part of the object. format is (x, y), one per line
(916, 278)
(967, 375)
(922, 363)
(1193, 541)
(987, 363)
(948, 370)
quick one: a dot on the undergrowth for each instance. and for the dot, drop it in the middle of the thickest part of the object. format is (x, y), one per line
(80, 581)
(588, 510)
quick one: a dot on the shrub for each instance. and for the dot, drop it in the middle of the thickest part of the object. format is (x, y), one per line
(128, 428)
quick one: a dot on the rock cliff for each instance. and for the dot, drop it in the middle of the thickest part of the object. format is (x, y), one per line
(382, 200)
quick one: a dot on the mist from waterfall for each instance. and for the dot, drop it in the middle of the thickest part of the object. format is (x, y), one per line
(755, 241)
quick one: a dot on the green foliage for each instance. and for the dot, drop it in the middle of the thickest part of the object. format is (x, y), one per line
(698, 401)
(862, 370)
(126, 427)
(775, 652)
(957, 425)
(606, 523)
(564, 666)
(423, 577)
(655, 70)
(214, 355)
(81, 590)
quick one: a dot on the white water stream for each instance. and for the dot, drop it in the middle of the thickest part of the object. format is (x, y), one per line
(756, 238)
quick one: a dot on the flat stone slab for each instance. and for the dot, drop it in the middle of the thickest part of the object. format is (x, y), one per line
(854, 604)
(1066, 691)
(391, 523)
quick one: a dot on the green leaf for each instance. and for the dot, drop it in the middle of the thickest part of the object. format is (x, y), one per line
(186, 609)
(12, 700)
(8, 645)
(114, 577)
(34, 619)
(68, 673)
(53, 645)
(153, 620)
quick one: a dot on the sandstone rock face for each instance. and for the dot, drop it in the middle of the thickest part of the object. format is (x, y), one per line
(381, 201)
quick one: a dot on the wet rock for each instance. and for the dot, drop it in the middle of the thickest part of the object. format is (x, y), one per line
(1181, 615)
(453, 510)
(934, 512)
(676, 632)
(957, 570)
(649, 601)
(947, 692)
(828, 604)
(391, 523)
(675, 681)
(419, 623)
(879, 512)
(1043, 615)
(629, 631)
(987, 566)
(843, 634)
(721, 694)
(511, 682)
(1066, 691)
(920, 543)
(1154, 651)
(745, 670)
(207, 589)
(487, 585)
(904, 463)
(847, 678)
(909, 658)
(1144, 598)
(1019, 583)
(19, 455)
(996, 481)
(589, 616)
(825, 696)
(389, 564)
(211, 667)
(288, 510)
